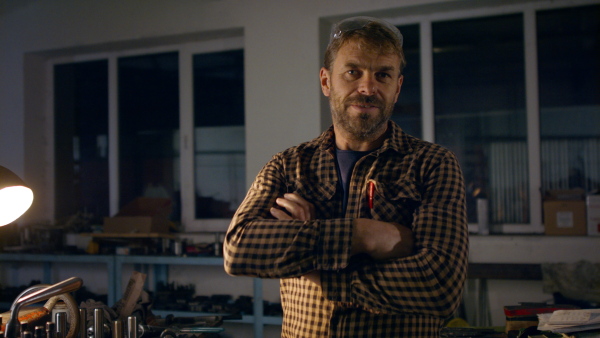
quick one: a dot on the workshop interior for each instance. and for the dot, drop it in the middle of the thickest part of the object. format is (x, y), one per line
(131, 130)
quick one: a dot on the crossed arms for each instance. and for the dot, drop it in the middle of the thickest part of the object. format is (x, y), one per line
(276, 234)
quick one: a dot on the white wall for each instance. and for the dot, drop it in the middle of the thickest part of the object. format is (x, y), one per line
(282, 60)
(282, 49)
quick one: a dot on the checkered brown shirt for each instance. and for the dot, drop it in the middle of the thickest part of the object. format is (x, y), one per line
(419, 184)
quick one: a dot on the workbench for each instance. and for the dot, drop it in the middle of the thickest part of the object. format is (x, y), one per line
(490, 257)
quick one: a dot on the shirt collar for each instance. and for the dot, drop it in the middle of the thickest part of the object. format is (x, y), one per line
(396, 140)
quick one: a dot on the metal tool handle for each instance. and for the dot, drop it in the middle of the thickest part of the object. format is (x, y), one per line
(117, 329)
(61, 324)
(50, 328)
(132, 327)
(82, 324)
(98, 323)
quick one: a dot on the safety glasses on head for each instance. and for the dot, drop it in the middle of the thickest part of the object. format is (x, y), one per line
(359, 22)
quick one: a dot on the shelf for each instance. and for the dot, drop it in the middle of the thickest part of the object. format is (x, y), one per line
(26, 257)
(273, 320)
(160, 265)
(487, 254)
(129, 235)
(532, 249)
(246, 319)
(170, 260)
(49, 259)
(163, 313)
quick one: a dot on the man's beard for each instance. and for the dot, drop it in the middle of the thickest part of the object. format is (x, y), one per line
(365, 126)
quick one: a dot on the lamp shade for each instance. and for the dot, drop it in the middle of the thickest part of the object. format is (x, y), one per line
(15, 196)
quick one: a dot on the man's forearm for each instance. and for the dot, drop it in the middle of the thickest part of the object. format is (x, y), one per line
(270, 248)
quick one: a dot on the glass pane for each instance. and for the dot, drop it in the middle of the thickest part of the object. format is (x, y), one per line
(407, 111)
(81, 139)
(480, 110)
(569, 76)
(219, 136)
(149, 128)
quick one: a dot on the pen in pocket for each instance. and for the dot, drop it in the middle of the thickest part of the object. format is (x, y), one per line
(370, 192)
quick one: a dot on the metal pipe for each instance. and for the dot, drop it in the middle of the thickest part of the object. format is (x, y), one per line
(39, 332)
(117, 329)
(82, 324)
(98, 323)
(132, 327)
(61, 324)
(50, 329)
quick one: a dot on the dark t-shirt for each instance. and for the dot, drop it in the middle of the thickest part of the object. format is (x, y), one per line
(346, 159)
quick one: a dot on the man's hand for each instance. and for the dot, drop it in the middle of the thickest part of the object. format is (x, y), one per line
(381, 240)
(296, 206)
(314, 276)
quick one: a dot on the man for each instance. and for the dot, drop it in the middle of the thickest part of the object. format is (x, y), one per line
(364, 225)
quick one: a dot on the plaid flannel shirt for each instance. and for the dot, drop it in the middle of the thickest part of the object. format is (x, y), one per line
(418, 184)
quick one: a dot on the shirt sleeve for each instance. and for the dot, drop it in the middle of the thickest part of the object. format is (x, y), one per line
(259, 245)
(430, 281)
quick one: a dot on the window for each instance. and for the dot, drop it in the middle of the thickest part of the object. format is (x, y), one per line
(479, 78)
(219, 155)
(407, 111)
(148, 110)
(146, 106)
(569, 73)
(510, 150)
(81, 139)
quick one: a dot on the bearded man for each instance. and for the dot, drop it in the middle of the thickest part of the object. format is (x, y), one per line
(365, 225)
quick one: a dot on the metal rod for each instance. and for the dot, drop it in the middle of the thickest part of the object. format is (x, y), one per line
(117, 329)
(50, 329)
(39, 332)
(61, 324)
(132, 327)
(98, 323)
(82, 324)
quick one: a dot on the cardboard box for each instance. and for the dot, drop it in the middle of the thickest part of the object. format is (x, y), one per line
(593, 214)
(142, 215)
(565, 213)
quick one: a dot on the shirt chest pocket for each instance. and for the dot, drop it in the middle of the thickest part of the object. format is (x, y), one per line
(393, 202)
(320, 194)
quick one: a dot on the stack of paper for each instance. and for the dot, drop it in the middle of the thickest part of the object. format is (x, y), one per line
(565, 321)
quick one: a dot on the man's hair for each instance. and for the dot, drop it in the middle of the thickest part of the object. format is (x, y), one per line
(371, 36)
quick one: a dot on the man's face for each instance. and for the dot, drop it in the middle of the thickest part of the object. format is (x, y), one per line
(362, 87)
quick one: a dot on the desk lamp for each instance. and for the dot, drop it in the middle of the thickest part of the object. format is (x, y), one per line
(15, 196)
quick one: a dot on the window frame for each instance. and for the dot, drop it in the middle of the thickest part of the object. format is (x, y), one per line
(532, 106)
(186, 125)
